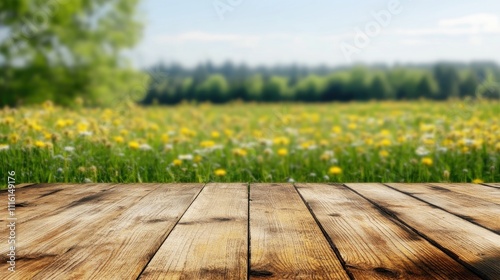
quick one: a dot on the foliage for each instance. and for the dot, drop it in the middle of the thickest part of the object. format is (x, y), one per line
(60, 50)
(418, 141)
(273, 84)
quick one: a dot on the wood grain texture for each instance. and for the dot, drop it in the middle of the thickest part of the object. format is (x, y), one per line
(286, 242)
(122, 247)
(18, 186)
(495, 185)
(211, 239)
(473, 245)
(471, 208)
(47, 199)
(481, 192)
(374, 245)
(41, 240)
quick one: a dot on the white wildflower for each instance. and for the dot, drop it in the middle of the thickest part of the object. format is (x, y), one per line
(85, 133)
(168, 147)
(268, 151)
(442, 149)
(4, 147)
(266, 142)
(291, 131)
(145, 147)
(329, 153)
(69, 149)
(422, 151)
(186, 157)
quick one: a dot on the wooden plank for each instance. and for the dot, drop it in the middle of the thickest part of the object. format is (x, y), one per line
(18, 186)
(373, 244)
(43, 239)
(121, 248)
(495, 185)
(286, 242)
(211, 239)
(468, 207)
(474, 246)
(474, 190)
(48, 199)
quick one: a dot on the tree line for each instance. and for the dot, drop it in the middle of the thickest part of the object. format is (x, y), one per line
(171, 84)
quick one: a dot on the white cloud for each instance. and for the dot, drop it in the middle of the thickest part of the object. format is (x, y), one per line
(476, 24)
(414, 42)
(484, 21)
(203, 37)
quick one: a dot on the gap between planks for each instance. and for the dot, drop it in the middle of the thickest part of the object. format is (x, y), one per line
(473, 246)
(481, 210)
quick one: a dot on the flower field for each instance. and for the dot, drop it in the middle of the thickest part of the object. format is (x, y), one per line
(455, 141)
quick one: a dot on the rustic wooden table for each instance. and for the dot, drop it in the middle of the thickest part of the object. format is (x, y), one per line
(265, 231)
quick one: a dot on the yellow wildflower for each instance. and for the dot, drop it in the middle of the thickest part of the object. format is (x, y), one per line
(164, 138)
(282, 152)
(427, 161)
(215, 134)
(8, 120)
(197, 159)
(477, 181)
(335, 170)
(383, 153)
(336, 129)
(240, 152)
(134, 145)
(207, 144)
(281, 141)
(14, 138)
(220, 172)
(40, 144)
(385, 143)
(119, 139)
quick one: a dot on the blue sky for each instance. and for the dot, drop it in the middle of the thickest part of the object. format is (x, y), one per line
(317, 32)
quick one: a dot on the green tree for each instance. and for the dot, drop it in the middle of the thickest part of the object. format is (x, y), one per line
(310, 89)
(358, 87)
(336, 87)
(254, 87)
(276, 89)
(427, 87)
(215, 89)
(61, 49)
(448, 80)
(468, 86)
(380, 87)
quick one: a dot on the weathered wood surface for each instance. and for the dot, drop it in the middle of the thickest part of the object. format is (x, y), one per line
(372, 243)
(481, 192)
(496, 185)
(267, 231)
(211, 239)
(125, 239)
(474, 246)
(286, 241)
(465, 204)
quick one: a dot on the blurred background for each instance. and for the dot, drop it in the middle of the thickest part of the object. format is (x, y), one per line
(98, 53)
